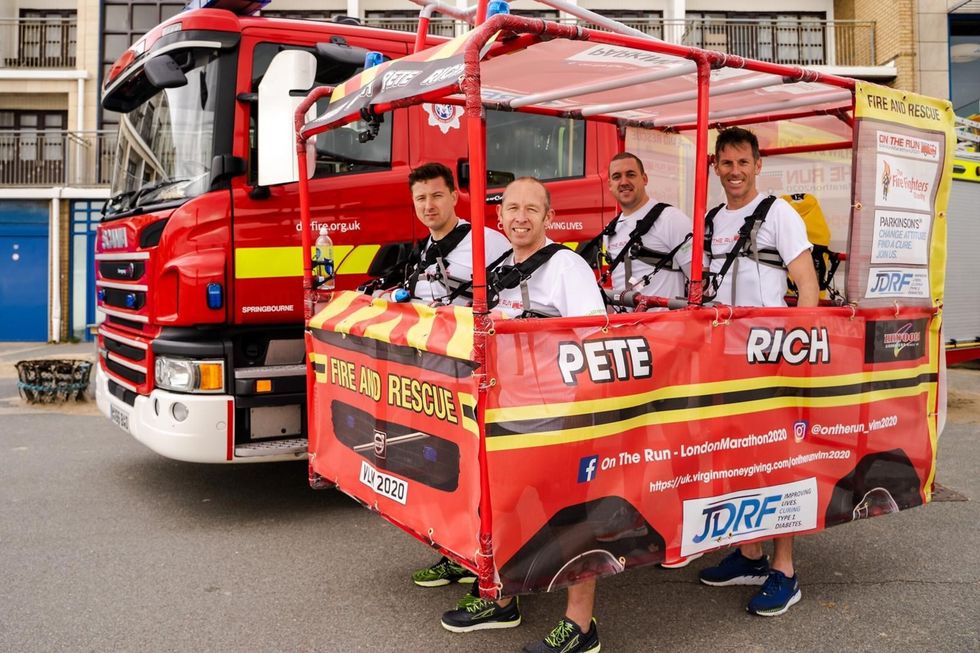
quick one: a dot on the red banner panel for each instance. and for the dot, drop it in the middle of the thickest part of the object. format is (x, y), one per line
(610, 448)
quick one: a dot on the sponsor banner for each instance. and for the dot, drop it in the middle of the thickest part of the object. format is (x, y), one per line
(609, 449)
(887, 341)
(627, 57)
(903, 146)
(900, 238)
(748, 515)
(394, 425)
(905, 183)
(910, 283)
(908, 146)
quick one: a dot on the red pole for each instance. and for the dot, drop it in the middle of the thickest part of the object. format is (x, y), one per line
(802, 149)
(700, 180)
(421, 33)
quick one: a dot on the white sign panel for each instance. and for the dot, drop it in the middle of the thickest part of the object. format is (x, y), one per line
(904, 183)
(897, 282)
(739, 516)
(900, 238)
(910, 146)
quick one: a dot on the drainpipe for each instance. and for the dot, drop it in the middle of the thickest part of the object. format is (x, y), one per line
(55, 285)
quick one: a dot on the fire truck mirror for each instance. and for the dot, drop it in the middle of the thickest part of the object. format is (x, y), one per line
(163, 71)
(290, 70)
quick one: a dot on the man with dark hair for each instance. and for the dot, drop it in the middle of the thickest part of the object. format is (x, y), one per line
(549, 280)
(441, 270)
(440, 273)
(755, 275)
(648, 245)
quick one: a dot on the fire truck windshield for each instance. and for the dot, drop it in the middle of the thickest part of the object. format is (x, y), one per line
(166, 144)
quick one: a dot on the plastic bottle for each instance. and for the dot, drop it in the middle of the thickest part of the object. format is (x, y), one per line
(323, 271)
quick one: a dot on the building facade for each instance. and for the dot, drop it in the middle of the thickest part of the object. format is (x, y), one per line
(55, 140)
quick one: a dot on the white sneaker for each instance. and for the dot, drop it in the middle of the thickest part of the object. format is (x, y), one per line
(681, 562)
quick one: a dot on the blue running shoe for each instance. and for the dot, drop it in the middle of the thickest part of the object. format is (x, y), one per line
(777, 595)
(736, 569)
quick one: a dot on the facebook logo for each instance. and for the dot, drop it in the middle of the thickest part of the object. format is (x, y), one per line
(587, 468)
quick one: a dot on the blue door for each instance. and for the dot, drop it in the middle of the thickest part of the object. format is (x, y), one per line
(23, 271)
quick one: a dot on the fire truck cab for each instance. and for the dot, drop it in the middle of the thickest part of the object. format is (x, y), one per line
(199, 258)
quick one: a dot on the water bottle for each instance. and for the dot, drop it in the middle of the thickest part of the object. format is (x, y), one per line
(323, 261)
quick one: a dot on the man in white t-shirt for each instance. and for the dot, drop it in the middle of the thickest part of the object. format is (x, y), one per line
(445, 260)
(737, 164)
(669, 235)
(443, 264)
(562, 285)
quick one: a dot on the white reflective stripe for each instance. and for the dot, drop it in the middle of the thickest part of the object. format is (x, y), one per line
(121, 286)
(123, 256)
(125, 363)
(124, 340)
(121, 314)
(271, 371)
(180, 45)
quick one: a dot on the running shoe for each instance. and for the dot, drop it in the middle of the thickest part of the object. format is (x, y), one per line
(681, 562)
(736, 569)
(777, 595)
(442, 573)
(567, 637)
(481, 614)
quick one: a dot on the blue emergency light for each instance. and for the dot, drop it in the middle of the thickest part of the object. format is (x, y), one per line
(372, 59)
(215, 299)
(130, 300)
(495, 7)
(240, 7)
(101, 294)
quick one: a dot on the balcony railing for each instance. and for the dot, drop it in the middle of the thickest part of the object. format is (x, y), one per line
(38, 42)
(437, 26)
(56, 158)
(801, 42)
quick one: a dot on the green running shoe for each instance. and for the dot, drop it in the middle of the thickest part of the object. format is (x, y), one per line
(567, 637)
(442, 573)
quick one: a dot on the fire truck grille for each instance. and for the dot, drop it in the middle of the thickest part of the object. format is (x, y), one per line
(122, 270)
(127, 373)
(132, 300)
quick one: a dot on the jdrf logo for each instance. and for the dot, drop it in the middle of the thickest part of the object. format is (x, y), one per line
(891, 282)
(737, 516)
(587, 468)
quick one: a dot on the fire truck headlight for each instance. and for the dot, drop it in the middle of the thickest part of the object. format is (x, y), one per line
(184, 375)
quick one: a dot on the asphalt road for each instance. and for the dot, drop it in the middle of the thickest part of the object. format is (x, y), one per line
(105, 546)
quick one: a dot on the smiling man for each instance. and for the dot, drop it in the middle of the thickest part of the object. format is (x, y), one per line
(648, 245)
(756, 276)
(539, 279)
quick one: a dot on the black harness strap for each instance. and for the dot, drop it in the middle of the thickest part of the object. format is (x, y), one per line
(435, 251)
(511, 276)
(640, 230)
(748, 232)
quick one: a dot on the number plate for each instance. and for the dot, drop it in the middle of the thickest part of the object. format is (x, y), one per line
(120, 418)
(387, 486)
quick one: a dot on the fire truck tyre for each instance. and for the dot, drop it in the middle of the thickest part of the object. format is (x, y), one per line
(879, 484)
(595, 538)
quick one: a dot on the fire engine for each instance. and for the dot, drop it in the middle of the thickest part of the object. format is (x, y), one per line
(199, 255)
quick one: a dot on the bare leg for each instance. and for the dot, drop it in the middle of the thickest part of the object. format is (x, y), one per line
(751, 551)
(581, 601)
(783, 557)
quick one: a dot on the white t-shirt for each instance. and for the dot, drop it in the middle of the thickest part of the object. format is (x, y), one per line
(670, 229)
(757, 284)
(564, 286)
(459, 265)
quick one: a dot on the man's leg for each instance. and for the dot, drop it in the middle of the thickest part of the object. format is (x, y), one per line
(577, 631)
(781, 589)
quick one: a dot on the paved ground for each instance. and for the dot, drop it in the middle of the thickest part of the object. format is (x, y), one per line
(108, 547)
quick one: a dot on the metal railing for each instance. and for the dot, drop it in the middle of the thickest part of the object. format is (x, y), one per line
(38, 42)
(804, 42)
(437, 26)
(56, 158)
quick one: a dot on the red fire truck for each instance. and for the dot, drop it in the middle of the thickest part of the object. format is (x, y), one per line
(199, 260)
